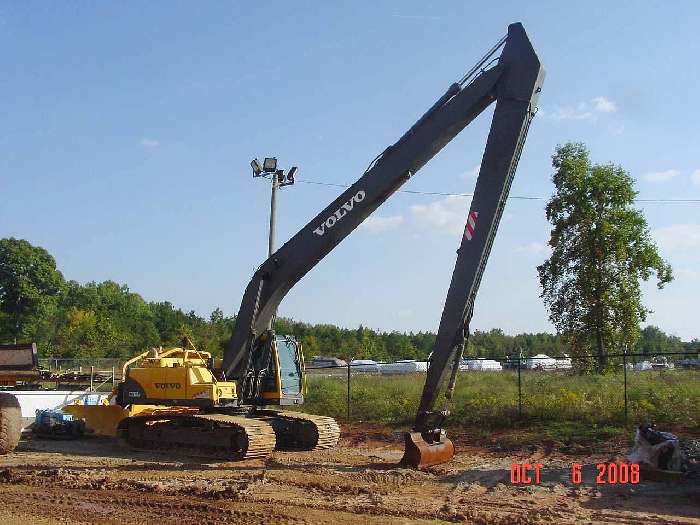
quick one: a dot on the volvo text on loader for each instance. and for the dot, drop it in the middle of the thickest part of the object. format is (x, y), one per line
(182, 399)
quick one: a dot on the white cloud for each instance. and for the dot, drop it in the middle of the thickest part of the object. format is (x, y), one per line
(604, 105)
(150, 143)
(586, 110)
(532, 248)
(578, 112)
(382, 224)
(695, 177)
(447, 215)
(661, 176)
(678, 237)
(472, 173)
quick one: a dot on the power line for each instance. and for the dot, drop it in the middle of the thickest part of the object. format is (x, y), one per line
(515, 197)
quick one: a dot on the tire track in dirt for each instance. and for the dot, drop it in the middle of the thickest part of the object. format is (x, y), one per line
(78, 482)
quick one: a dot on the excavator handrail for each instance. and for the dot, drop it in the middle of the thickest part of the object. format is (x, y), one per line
(131, 361)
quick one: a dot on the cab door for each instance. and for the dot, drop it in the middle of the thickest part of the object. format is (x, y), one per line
(290, 369)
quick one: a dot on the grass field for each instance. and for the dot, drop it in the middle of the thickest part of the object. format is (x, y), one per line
(490, 399)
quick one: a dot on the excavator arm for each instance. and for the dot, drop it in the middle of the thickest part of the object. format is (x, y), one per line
(513, 80)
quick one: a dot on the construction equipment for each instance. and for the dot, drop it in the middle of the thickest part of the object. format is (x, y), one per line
(182, 399)
(19, 365)
(10, 422)
(55, 424)
(178, 400)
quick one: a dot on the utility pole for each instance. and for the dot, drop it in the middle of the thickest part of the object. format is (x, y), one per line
(279, 179)
(273, 216)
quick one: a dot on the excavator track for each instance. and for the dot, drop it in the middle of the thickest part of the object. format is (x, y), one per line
(219, 436)
(297, 431)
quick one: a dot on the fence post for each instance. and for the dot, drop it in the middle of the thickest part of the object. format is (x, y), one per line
(114, 379)
(92, 372)
(348, 401)
(624, 367)
(520, 390)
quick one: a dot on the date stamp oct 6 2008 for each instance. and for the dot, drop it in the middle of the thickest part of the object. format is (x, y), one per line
(607, 473)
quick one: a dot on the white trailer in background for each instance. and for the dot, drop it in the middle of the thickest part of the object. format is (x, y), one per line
(480, 363)
(365, 366)
(541, 362)
(405, 366)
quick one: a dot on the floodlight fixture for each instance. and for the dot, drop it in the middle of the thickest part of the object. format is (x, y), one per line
(257, 168)
(290, 174)
(270, 164)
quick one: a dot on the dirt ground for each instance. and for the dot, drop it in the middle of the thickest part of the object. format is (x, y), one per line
(102, 481)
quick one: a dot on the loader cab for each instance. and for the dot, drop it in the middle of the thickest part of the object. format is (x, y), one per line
(277, 375)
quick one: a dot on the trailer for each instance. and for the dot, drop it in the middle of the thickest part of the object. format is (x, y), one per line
(404, 366)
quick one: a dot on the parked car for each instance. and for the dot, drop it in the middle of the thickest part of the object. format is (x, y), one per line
(321, 361)
(405, 366)
(661, 363)
(366, 366)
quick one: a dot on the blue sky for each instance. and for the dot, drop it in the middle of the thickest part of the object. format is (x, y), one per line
(126, 131)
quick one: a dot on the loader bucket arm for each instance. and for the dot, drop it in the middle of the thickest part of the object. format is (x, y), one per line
(513, 80)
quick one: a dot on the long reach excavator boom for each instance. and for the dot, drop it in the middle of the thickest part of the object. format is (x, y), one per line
(513, 80)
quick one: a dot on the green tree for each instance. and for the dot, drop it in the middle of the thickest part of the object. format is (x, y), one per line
(653, 340)
(601, 250)
(103, 319)
(30, 286)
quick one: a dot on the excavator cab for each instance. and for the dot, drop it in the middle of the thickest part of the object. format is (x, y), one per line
(275, 375)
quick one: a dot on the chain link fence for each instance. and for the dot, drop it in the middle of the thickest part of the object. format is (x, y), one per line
(80, 365)
(664, 386)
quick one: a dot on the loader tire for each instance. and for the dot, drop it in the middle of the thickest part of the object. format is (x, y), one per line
(10, 423)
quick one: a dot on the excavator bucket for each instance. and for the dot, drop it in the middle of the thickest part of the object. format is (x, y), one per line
(419, 453)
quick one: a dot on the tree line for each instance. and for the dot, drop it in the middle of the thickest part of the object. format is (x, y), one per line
(106, 319)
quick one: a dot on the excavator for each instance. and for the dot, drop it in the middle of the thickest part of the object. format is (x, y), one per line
(183, 399)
